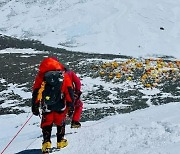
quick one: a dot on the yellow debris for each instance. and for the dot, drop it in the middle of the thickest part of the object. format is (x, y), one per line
(148, 71)
(171, 65)
(144, 76)
(159, 66)
(103, 66)
(118, 75)
(154, 84)
(111, 73)
(151, 59)
(133, 60)
(147, 61)
(163, 64)
(129, 78)
(177, 63)
(128, 61)
(95, 67)
(110, 76)
(108, 64)
(148, 85)
(142, 80)
(102, 73)
(125, 68)
(159, 60)
(139, 65)
(164, 71)
(173, 70)
(115, 64)
(157, 80)
(154, 75)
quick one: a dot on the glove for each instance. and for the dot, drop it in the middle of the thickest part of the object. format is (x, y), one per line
(77, 94)
(34, 96)
(35, 109)
(70, 113)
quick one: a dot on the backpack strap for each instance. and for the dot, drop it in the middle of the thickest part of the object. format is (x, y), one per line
(39, 97)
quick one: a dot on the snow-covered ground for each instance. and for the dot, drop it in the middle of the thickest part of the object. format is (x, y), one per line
(129, 27)
(155, 130)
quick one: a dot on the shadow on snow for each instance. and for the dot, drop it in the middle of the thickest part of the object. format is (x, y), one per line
(30, 151)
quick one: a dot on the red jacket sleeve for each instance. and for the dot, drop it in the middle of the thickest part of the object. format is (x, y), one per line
(67, 89)
(75, 80)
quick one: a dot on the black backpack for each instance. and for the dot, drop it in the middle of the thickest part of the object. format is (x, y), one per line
(52, 97)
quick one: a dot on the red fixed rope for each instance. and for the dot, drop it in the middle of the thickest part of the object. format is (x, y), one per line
(17, 134)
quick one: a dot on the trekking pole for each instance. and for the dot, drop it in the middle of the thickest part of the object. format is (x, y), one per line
(17, 134)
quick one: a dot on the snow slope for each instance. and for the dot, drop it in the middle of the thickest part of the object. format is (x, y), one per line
(129, 27)
(155, 130)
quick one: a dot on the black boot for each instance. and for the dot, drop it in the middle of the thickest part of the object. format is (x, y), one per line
(75, 124)
(61, 141)
(47, 133)
(46, 145)
(60, 132)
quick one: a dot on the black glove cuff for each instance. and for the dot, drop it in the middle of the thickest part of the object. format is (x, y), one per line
(78, 92)
(35, 109)
(34, 96)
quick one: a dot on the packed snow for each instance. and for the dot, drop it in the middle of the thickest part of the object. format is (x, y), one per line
(128, 27)
(154, 130)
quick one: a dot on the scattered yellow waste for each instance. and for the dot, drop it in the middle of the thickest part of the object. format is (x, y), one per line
(102, 73)
(129, 78)
(154, 75)
(159, 66)
(125, 69)
(143, 81)
(154, 84)
(118, 75)
(164, 71)
(151, 72)
(148, 71)
(157, 80)
(128, 61)
(103, 66)
(133, 60)
(95, 67)
(144, 76)
(148, 85)
(147, 61)
(108, 64)
(139, 65)
(177, 63)
(151, 59)
(171, 65)
(110, 76)
(115, 64)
